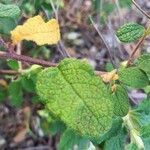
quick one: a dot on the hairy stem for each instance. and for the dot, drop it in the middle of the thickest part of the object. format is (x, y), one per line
(23, 58)
(9, 72)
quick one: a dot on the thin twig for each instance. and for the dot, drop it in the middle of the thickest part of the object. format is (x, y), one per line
(9, 72)
(54, 9)
(38, 148)
(119, 10)
(18, 51)
(135, 50)
(141, 10)
(102, 38)
(23, 58)
(60, 46)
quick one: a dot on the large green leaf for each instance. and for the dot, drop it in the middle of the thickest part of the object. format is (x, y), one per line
(130, 32)
(73, 93)
(133, 77)
(120, 101)
(10, 11)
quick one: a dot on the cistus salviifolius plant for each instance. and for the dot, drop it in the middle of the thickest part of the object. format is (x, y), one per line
(90, 108)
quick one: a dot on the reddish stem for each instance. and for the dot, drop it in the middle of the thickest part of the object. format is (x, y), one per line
(135, 50)
(23, 58)
(9, 72)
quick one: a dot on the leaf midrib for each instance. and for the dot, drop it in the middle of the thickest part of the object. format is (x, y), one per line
(80, 97)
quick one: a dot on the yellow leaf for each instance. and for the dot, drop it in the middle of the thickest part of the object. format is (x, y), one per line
(35, 29)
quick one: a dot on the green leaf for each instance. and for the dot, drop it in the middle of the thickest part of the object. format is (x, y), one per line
(133, 77)
(114, 130)
(27, 84)
(131, 146)
(126, 3)
(28, 79)
(3, 94)
(33, 72)
(120, 101)
(15, 92)
(144, 106)
(140, 118)
(69, 139)
(6, 25)
(145, 131)
(73, 93)
(109, 67)
(143, 62)
(50, 124)
(13, 64)
(116, 142)
(9, 11)
(56, 126)
(130, 32)
(145, 134)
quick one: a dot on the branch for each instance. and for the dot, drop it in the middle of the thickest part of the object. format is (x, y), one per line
(140, 9)
(23, 58)
(135, 50)
(9, 72)
(141, 40)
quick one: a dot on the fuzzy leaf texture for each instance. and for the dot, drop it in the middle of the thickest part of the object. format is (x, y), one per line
(120, 101)
(73, 93)
(9, 11)
(133, 77)
(143, 63)
(35, 29)
(130, 32)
